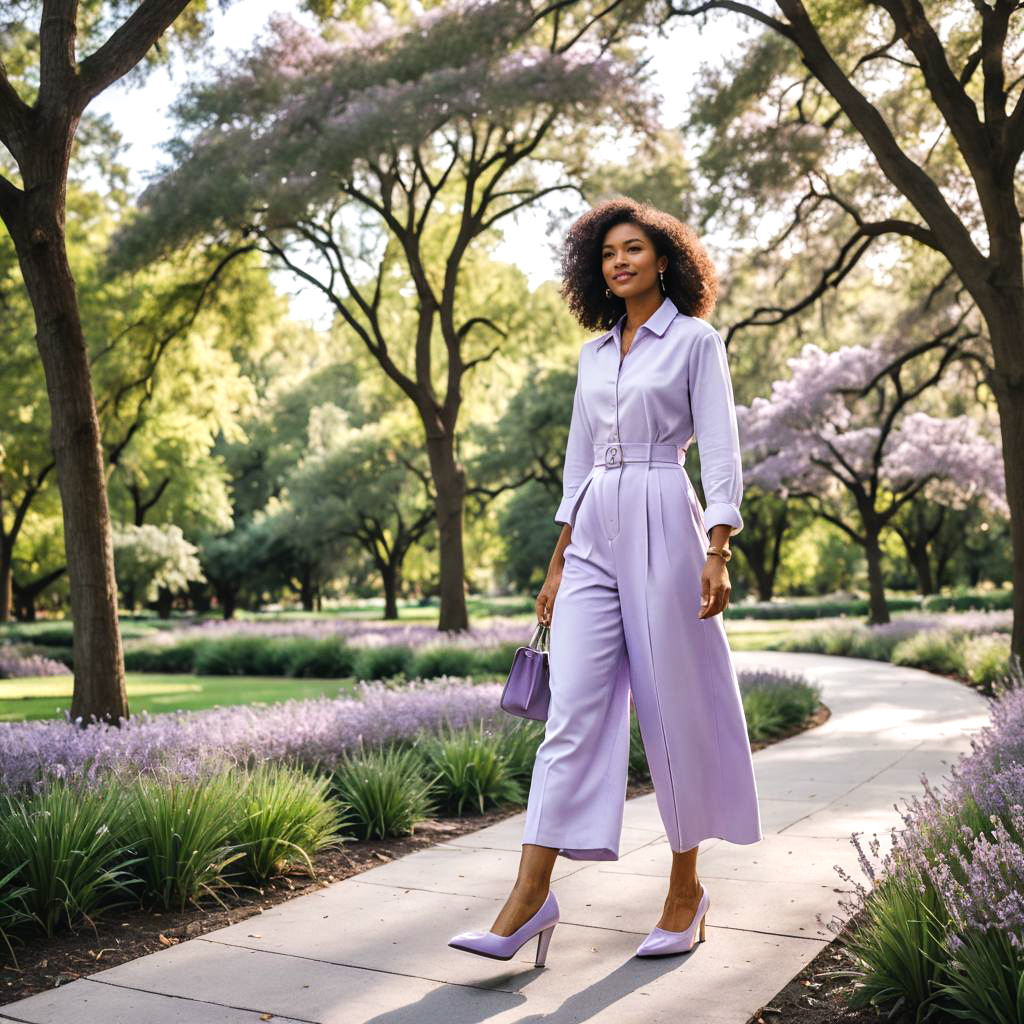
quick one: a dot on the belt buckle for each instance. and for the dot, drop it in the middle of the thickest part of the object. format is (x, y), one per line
(611, 456)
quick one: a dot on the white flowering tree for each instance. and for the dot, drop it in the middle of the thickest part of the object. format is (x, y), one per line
(153, 559)
(838, 435)
(368, 164)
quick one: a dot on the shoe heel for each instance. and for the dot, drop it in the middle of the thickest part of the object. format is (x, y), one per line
(702, 920)
(543, 941)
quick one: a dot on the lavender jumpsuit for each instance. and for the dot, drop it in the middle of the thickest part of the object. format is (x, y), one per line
(625, 616)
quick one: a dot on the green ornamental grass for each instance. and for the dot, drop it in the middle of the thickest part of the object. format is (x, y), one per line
(470, 770)
(517, 742)
(69, 851)
(934, 650)
(983, 981)
(285, 816)
(987, 659)
(639, 769)
(899, 950)
(13, 906)
(385, 790)
(772, 710)
(182, 830)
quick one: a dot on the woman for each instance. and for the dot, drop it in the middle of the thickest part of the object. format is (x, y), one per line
(639, 586)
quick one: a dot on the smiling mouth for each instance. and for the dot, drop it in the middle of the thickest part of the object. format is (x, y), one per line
(622, 277)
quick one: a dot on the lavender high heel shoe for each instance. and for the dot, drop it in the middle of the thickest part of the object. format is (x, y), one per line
(661, 942)
(504, 947)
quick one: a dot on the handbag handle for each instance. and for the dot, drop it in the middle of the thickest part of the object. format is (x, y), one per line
(539, 640)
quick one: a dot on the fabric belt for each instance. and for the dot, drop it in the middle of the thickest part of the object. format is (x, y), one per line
(615, 453)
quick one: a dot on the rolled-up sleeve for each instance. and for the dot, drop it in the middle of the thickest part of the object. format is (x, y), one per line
(717, 433)
(579, 453)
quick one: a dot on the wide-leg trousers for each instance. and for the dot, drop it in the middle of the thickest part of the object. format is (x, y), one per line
(625, 621)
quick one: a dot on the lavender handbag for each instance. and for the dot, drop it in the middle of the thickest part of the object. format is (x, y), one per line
(526, 692)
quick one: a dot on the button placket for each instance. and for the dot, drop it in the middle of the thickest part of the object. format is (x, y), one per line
(613, 454)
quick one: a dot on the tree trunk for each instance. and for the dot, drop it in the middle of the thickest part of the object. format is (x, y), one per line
(6, 584)
(450, 483)
(227, 596)
(756, 557)
(917, 555)
(389, 575)
(199, 596)
(25, 596)
(1007, 382)
(306, 588)
(879, 610)
(75, 434)
(923, 567)
(164, 603)
(26, 608)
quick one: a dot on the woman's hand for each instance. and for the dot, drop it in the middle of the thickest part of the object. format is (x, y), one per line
(546, 597)
(714, 587)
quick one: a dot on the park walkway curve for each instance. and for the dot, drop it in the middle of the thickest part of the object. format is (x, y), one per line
(372, 949)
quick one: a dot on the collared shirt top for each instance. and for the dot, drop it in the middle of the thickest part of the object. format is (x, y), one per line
(673, 385)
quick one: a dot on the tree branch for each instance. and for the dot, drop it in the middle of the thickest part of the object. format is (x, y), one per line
(57, 30)
(126, 46)
(949, 95)
(10, 198)
(15, 115)
(913, 182)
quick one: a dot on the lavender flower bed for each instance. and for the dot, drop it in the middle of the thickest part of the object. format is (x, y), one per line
(966, 837)
(968, 623)
(767, 679)
(308, 731)
(359, 633)
(190, 742)
(992, 774)
(20, 666)
(509, 629)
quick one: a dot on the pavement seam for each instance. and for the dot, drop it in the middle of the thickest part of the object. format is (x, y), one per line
(193, 999)
(356, 967)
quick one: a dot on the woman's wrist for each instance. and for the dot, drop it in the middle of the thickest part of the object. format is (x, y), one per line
(718, 540)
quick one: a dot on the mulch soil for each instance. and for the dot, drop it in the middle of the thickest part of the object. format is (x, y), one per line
(817, 996)
(123, 934)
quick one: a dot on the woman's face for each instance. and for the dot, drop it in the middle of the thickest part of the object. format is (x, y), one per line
(629, 262)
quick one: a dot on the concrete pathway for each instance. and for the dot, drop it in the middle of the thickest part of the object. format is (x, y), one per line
(373, 949)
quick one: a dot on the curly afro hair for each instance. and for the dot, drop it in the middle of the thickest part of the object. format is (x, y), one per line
(690, 277)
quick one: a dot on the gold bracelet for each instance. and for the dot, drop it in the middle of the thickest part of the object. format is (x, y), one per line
(725, 552)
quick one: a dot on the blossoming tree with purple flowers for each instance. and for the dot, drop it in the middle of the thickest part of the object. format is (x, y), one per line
(838, 434)
(369, 162)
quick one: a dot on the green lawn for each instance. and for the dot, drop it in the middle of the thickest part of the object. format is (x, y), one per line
(21, 699)
(767, 634)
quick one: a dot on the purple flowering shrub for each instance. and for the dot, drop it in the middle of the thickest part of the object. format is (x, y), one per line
(14, 665)
(933, 642)
(775, 700)
(495, 631)
(307, 732)
(946, 901)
